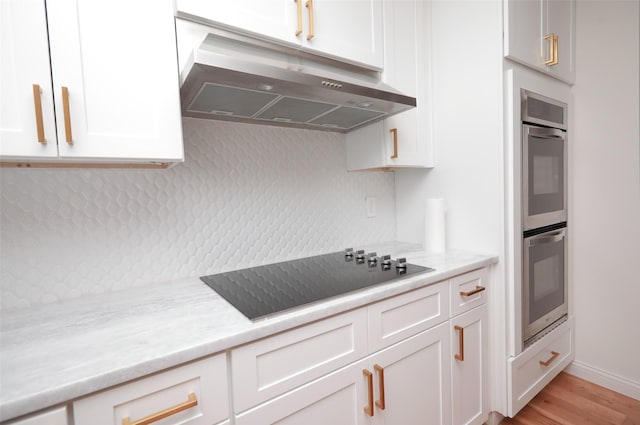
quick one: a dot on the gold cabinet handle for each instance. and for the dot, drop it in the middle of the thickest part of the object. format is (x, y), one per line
(553, 49)
(394, 131)
(309, 5)
(554, 355)
(67, 115)
(37, 102)
(460, 331)
(369, 408)
(473, 291)
(299, 30)
(380, 403)
(192, 402)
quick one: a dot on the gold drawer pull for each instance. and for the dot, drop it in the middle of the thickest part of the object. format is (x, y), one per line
(380, 403)
(473, 292)
(395, 142)
(554, 355)
(37, 101)
(369, 408)
(67, 115)
(165, 413)
(460, 331)
(299, 4)
(309, 4)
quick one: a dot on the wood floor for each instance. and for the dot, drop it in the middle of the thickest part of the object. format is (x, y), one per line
(569, 400)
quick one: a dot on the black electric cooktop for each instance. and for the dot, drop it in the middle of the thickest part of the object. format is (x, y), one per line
(258, 292)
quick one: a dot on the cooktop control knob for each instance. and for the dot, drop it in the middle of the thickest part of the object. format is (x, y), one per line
(372, 259)
(360, 256)
(348, 253)
(385, 262)
(401, 264)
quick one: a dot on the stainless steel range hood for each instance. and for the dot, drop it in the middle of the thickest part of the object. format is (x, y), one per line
(235, 78)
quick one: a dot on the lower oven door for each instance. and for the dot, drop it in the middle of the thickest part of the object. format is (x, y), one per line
(544, 293)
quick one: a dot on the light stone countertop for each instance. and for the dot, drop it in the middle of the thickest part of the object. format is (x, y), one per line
(59, 352)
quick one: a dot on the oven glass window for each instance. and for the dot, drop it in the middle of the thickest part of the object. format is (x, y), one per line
(546, 176)
(546, 172)
(546, 279)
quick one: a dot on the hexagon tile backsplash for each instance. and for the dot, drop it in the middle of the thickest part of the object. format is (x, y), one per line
(246, 195)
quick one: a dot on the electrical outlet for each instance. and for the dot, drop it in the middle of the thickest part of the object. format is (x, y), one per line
(371, 206)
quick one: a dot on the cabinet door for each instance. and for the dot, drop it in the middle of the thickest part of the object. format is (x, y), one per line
(403, 140)
(527, 22)
(348, 30)
(117, 59)
(272, 19)
(414, 376)
(560, 20)
(523, 38)
(406, 46)
(24, 54)
(336, 399)
(470, 361)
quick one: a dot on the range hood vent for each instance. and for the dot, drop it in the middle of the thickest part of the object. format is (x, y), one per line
(235, 78)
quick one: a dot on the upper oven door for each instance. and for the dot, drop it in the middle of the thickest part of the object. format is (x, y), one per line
(544, 170)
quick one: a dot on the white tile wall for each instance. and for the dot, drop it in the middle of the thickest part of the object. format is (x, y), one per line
(246, 195)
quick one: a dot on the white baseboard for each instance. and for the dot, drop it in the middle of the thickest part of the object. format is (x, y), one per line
(605, 379)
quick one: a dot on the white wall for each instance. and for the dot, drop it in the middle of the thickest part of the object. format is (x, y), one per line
(246, 195)
(468, 137)
(605, 213)
(467, 131)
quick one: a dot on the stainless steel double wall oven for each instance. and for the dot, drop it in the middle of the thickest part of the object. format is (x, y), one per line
(544, 207)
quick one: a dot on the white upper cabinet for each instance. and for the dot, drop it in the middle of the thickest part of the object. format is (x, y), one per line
(403, 140)
(25, 81)
(273, 19)
(541, 35)
(115, 92)
(349, 30)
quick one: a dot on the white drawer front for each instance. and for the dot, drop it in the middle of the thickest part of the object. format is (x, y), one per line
(535, 367)
(51, 417)
(400, 317)
(205, 379)
(467, 291)
(275, 365)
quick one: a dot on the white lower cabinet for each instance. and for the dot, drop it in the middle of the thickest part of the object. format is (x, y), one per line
(402, 384)
(470, 360)
(530, 371)
(411, 383)
(391, 362)
(50, 417)
(403, 360)
(192, 394)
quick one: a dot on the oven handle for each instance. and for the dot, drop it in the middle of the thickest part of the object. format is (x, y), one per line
(546, 133)
(554, 237)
